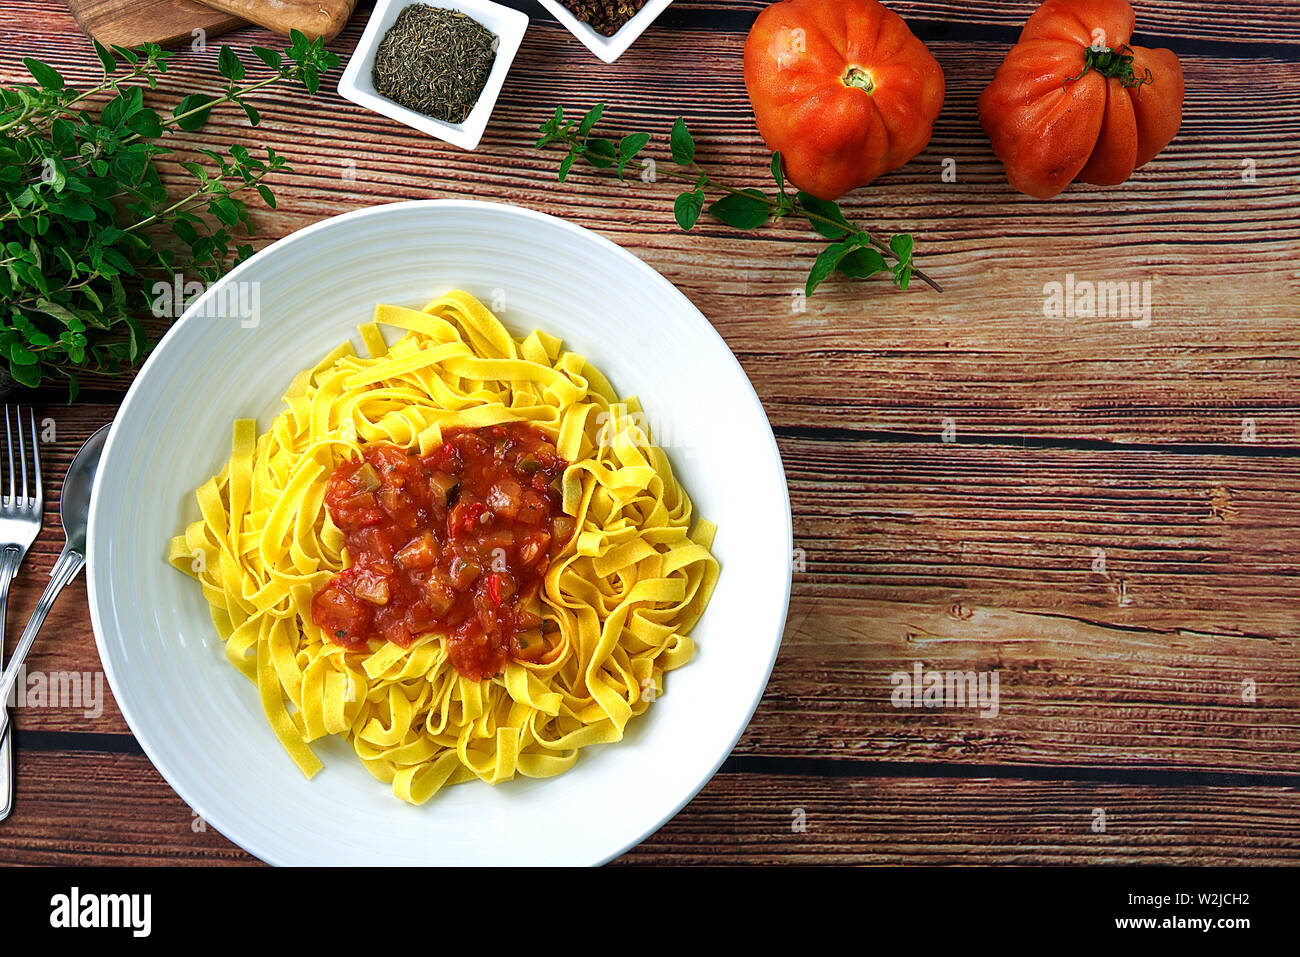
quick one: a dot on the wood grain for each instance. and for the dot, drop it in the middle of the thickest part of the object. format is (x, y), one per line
(314, 18)
(103, 809)
(168, 23)
(1179, 23)
(1102, 513)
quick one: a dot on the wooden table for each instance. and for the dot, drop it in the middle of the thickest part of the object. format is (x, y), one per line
(1106, 512)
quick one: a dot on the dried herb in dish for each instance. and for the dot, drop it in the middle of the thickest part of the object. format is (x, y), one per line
(435, 61)
(606, 17)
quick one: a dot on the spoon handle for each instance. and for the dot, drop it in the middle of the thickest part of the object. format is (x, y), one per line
(10, 557)
(65, 569)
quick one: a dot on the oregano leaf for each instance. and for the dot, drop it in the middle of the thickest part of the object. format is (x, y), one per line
(590, 120)
(823, 210)
(601, 153)
(862, 264)
(687, 209)
(193, 111)
(827, 262)
(106, 59)
(747, 210)
(682, 143)
(44, 74)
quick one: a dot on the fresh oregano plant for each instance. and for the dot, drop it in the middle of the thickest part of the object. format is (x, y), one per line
(853, 252)
(85, 222)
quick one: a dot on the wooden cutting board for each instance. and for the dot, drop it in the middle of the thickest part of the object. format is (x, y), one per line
(168, 23)
(173, 22)
(323, 18)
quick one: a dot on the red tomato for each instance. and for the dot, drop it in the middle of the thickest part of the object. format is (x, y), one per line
(842, 88)
(1074, 100)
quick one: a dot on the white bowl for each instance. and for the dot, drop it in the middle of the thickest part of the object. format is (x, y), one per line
(356, 85)
(608, 49)
(199, 720)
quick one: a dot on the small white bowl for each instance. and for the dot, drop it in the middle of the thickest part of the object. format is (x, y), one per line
(608, 49)
(356, 85)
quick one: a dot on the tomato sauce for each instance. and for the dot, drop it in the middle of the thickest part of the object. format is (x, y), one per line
(456, 542)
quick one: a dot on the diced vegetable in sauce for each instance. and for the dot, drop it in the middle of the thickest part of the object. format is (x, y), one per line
(456, 543)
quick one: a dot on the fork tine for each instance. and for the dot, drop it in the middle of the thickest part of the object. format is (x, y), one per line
(39, 494)
(9, 442)
(22, 448)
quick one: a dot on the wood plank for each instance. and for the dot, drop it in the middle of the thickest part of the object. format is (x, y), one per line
(313, 18)
(978, 555)
(1070, 694)
(1130, 539)
(131, 23)
(1217, 365)
(750, 819)
(102, 809)
(1158, 21)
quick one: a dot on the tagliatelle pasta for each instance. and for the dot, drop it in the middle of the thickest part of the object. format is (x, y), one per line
(621, 598)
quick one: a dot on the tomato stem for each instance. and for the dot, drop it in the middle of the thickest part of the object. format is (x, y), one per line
(858, 78)
(1116, 64)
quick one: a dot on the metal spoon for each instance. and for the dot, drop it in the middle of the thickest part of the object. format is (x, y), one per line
(74, 510)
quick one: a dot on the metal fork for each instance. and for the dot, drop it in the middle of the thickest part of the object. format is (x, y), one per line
(20, 523)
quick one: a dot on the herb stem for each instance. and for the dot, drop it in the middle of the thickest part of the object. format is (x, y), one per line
(226, 97)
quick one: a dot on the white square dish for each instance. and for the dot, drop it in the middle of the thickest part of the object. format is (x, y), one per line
(356, 85)
(608, 49)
